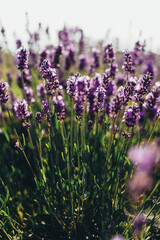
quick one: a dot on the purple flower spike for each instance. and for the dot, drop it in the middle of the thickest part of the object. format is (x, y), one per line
(21, 109)
(41, 91)
(81, 88)
(138, 224)
(59, 108)
(117, 237)
(90, 125)
(48, 73)
(29, 95)
(22, 58)
(127, 64)
(79, 110)
(45, 108)
(144, 157)
(131, 116)
(3, 92)
(38, 117)
(18, 43)
(71, 86)
(100, 95)
(108, 55)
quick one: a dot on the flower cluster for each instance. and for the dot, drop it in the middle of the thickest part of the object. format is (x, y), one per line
(22, 58)
(127, 64)
(49, 74)
(145, 158)
(131, 115)
(21, 110)
(108, 55)
(3, 92)
(59, 108)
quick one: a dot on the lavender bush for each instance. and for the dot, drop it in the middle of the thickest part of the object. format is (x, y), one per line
(79, 140)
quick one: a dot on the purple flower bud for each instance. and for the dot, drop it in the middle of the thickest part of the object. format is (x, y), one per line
(126, 134)
(100, 95)
(21, 109)
(38, 117)
(146, 81)
(116, 104)
(18, 43)
(79, 110)
(58, 53)
(113, 69)
(90, 125)
(108, 85)
(95, 58)
(3, 92)
(150, 68)
(81, 88)
(151, 105)
(144, 157)
(131, 115)
(45, 68)
(17, 146)
(108, 55)
(45, 108)
(71, 86)
(83, 61)
(70, 58)
(22, 58)
(52, 82)
(110, 229)
(138, 54)
(3, 31)
(27, 77)
(29, 95)
(59, 108)
(9, 77)
(117, 237)
(41, 91)
(101, 119)
(43, 56)
(127, 64)
(138, 224)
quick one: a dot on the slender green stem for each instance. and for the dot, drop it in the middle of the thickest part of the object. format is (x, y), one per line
(71, 130)
(15, 131)
(30, 138)
(155, 124)
(24, 152)
(23, 89)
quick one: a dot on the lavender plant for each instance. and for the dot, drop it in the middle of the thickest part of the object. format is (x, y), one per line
(85, 155)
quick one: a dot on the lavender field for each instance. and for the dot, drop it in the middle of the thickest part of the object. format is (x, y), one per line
(79, 139)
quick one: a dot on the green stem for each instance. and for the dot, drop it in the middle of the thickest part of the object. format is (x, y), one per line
(30, 138)
(71, 130)
(152, 131)
(23, 90)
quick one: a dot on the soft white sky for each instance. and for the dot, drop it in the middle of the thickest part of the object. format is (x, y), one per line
(125, 18)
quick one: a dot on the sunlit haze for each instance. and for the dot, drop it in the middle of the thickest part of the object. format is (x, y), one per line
(126, 20)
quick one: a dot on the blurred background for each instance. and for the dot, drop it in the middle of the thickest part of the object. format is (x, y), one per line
(122, 22)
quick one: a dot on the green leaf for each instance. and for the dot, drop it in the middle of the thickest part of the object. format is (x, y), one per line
(24, 140)
(6, 134)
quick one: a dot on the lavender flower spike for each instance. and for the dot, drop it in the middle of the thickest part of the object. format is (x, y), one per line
(21, 109)
(3, 92)
(144, 157)
(22, 58)
(59, 108)
(131, 115)
(117, 237)
(138, 224)
(127, 64)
